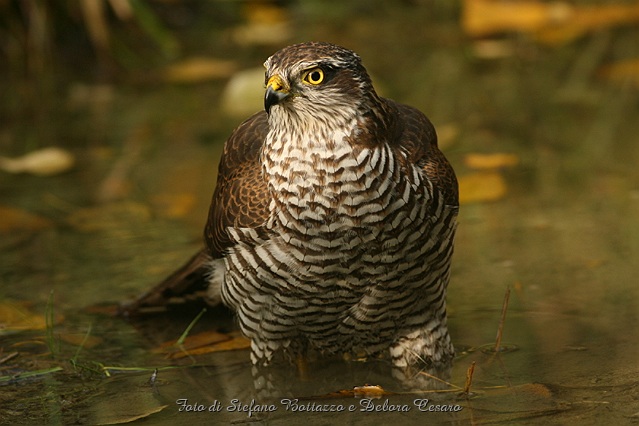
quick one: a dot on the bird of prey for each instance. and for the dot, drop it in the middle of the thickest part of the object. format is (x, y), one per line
(331, 226)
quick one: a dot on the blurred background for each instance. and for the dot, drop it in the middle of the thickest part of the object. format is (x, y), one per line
(112, 120)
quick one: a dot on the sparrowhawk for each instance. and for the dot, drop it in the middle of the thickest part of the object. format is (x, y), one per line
(331, 226)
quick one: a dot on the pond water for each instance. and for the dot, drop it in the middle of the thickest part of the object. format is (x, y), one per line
(561, 234)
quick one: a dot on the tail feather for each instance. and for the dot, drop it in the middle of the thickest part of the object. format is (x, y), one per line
(187, 283)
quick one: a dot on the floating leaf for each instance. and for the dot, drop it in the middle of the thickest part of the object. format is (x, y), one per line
(175, 206)
(369, 391)
(553, 22)
(366, 391)
(580, 20)
(42, 162)
(195, 70)
(481, 186)
(17, 316)
(490, 161)
(16, 219)
(203, 343)
(622, 72)
(266, 25)
(485, 17)
(81, 339)
(196, 340)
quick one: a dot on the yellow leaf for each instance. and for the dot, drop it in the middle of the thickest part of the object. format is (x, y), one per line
(17, 316)
(369, 391)
(484, 17)
(81, 339)
(232, 344)
(175, 206)
(196, 340)
(622, 71)
(195, 70)
(554, 22)
(42, 162)
(264, 13)
(481, 186)
(490, 161)
(203, 343)
(16, 219)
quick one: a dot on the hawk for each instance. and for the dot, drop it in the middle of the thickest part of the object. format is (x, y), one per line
(331, 226)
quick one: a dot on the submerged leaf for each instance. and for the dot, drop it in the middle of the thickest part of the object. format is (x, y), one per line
(554, 22)
(81, 339)
(17, 316)
(203, 343)
(481, 186)
(42, 162)
(16, 219)
(232, 344)
(490, 161)
(195, 70)
(622, 72)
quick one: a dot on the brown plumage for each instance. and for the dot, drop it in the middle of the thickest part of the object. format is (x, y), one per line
(332, 223)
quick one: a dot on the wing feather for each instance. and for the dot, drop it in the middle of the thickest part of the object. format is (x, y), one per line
(241, 197)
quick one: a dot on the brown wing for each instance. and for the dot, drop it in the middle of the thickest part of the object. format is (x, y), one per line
(240, 200)
(241, 195)
(416, 135)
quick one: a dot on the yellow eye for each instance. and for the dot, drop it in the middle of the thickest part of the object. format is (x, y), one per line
(314, 76)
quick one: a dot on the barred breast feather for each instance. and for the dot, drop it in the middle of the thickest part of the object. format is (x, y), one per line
(331, 227)
(354, 251)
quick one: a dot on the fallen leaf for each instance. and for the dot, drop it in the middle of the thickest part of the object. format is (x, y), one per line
(129, 417)
(493, 49)
(622, 72)
(484, 17)
(16, 219)
(122, 401)
(233, 344)
(17, 316)
(266, 24)
(198, 69)
(553, 23)
(263, 12)
(42, 162)
(196, 340)
(203, 343)
(481, 186)
(366, 391)
(490, 161)
(81, 339)
(370, 391)
(584, 19)
(174, 206)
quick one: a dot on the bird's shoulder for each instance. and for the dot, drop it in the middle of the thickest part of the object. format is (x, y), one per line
(414, 135)
(240, 199)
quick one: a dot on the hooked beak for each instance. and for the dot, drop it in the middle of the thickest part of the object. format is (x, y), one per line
(276, 91)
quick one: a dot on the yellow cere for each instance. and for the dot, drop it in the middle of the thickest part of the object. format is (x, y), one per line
(275, 83)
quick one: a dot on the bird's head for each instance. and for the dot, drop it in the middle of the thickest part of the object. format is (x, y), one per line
(316, 80)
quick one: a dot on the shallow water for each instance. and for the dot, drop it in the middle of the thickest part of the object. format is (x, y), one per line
(564, 238)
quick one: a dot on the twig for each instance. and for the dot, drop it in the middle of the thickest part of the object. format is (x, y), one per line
(502, 320)
(8, 357)
(469, 378)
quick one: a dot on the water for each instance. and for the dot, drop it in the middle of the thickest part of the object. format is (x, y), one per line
(564, 238)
